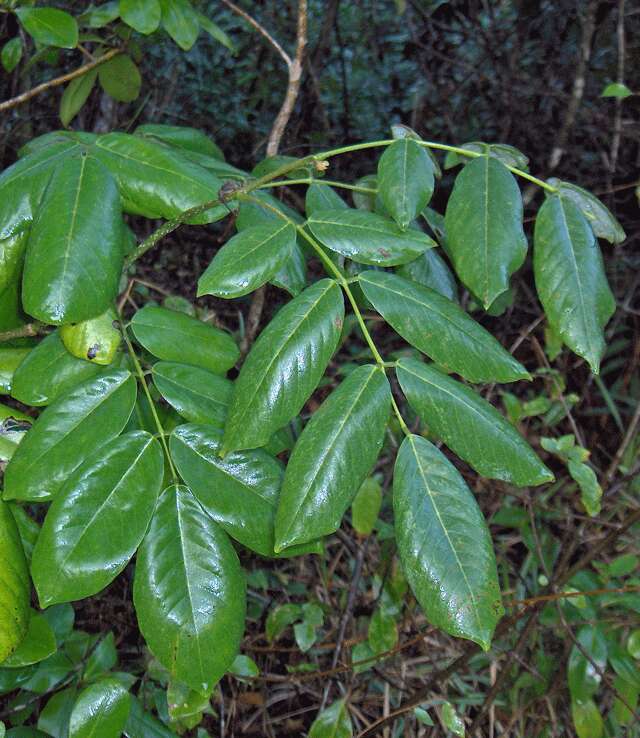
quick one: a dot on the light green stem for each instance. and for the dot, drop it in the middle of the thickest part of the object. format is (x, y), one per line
(143, 382)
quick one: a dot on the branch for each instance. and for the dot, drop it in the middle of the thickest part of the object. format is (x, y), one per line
(260, 28)
(57, 81)
(23, 331)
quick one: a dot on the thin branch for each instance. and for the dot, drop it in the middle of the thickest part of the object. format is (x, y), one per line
(57, 81)
(260, 28)
(24, 331)
(617, 123)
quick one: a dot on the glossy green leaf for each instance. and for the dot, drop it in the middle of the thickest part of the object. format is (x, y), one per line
(143, 724)
(98, 519)
(587, 719)
(444, 544)
(120, 78)
(602, 221)
(197, 395)
(484, 228)
(75, 96)
(48, 372)
(570, 278)
(182, 137)
(189, 592)
(23, 184)
(440, 329)
(142, 15)
(180, 21)
(332, 457)
(67, 432)
(11, 54)
(470, 426)
(451, 720)
(74, 254)
(405, 180)
(49, 26)
(100, 16)
(95, 340)
(101, 710)
(431, 270)
(320, 197)
(334, 722)
(174, 336)
(155, 181)
(54, 718)
(616, 89)
(284, 366)
(12, 251)
(244, 666)
(590, 490)
(248, 260)
(368, 238)
(10, 360)
(15, 586)
(239, 492)
(366, 506)
(38, 643)
(292, 275)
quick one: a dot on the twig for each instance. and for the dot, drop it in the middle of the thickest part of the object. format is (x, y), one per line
(628, 437)
(24, 331)
(260, 28)
(57, 81)
(617, 122)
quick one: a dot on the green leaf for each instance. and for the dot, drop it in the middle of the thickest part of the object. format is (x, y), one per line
(155, 181)
(483, 221)
(244, 666)
(183, 138)
(173, 336)
(142, 15)
(590, 490)
(321, 197)
(38, 643)
(366, 506)
(49, 26)
(616, 89)
(143, 724)
(368, 238)
(332, 457)
(248, 260)
(15, 586)
(451, 720)
(197, 395)
(239, 492)
(75, 96)
(382, 632)
(120, 78)
(101, 710)
(444, 544)
(74, 253)
(587, 719)
(216, 33)
(280, 618)
(68, 432)
(284, 366)
(584, 680)
(440, 329)
(54, 718)
(181, 22)
(628, 692)
(405, 180)
(292, 275)
(431, 270)
(11, 54)
(94, 340)
(334, 722)
(98, 519)
(633, 643)
(602, 221)
(570, 278)
(470, 426)
(10, 360)
(189, 592)
(100, 16)
(48, 372)
(22, 186)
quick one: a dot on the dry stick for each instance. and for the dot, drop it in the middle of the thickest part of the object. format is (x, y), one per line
(471, 649)
(57, 81)
(294, 70)
(23, 331)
